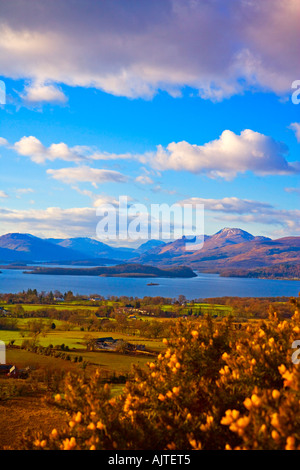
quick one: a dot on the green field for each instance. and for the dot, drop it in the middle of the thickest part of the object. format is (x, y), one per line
(74, 337)
(75, 340)
(203, 308)
(63, 306)
(106, 361)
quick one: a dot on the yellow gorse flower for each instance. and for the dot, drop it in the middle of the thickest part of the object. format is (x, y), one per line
(288, 376)
(275, 421)
(290, 443)
(78, 417)
(275, 394)
(275, 435)
(255, 400)
(91, 426)
(69, 444)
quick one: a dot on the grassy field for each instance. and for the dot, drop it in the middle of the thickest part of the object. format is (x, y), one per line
(62, 306)
(88, 306)
(75, 341)
(106, 361)
(72, 337)
(213, 309)
(22, 358)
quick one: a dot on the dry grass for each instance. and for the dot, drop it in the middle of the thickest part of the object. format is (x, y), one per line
(20, 413)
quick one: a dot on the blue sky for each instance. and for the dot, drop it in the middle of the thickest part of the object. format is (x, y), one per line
(147, 109)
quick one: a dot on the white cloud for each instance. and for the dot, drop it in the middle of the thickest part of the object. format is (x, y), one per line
(224, 157)
(3, 194)
(144, 179)
(292, 190)
(24, 190)
(3, 141)
(229, 204)
(32, 147)
(134, 49)
(295, 126)
(245, 212)
(75, 222)
(87, 174)
(51, 222)
(288, 220)
(19, 192)
(39, 93)
(100, 200)
(227, 156)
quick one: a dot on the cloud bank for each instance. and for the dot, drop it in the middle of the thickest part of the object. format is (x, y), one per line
(226, 157)
(82, 221)
(136, 48)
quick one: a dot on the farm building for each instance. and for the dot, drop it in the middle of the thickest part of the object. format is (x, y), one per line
(3, 312)
(11, 371)
(106, 343)
(111, 344)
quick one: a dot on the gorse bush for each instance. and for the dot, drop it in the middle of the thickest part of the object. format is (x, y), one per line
(215, 386)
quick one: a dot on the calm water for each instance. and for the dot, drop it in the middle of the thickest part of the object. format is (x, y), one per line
(205, 285)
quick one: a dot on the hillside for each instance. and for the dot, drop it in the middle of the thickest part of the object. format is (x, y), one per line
(150, 245)
(26, 247)
(93, 248)
(277, 271)
(228, 248)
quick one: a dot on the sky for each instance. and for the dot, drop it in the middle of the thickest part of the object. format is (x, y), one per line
(165, 102)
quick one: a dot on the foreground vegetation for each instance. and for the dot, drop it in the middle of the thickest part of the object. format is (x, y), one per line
(226, 380)
(215, 387)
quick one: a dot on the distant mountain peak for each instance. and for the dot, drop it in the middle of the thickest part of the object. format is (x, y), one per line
(150, 245)
(17, 235)
(228, 231)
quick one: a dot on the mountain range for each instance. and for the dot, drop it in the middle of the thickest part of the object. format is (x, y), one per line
(24, 247)
(229, 250)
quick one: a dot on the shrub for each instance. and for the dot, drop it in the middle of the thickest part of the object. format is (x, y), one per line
(215, 387)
